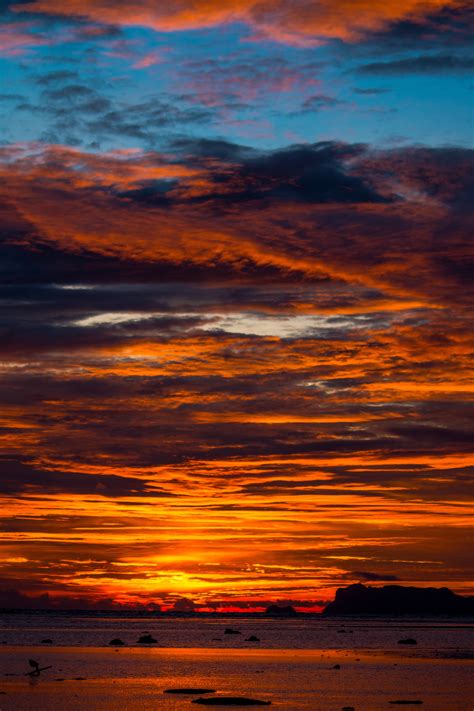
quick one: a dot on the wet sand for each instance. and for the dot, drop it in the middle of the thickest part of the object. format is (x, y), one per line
(134, 679)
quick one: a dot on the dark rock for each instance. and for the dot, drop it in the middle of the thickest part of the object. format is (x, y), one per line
(409, 640)
(287, 611)
(252, 638)
(189, 691)
(147, 639)
(46, 641)
(359, 599)
(229, 630)
(405, 702)
(337, 666)
(116, 642)
(348, 708)
(230, 701)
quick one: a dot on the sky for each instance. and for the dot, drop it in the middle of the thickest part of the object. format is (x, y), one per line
(236, 288)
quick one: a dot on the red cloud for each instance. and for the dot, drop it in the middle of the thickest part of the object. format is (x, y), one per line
(315, 215)
(16, 38)
(302, 22)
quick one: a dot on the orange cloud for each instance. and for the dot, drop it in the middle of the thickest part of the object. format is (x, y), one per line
(176, 435)
(304, 22)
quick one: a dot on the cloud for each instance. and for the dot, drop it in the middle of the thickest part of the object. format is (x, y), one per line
(19, 38)
(12, 599)
(184, 604)
(429, 64)
(80, 114)
(302, 23)
(320, 102)
(277, 340)
(370, 576)
(24, 477)
(352, 211)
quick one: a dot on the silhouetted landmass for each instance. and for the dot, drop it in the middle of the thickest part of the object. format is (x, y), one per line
(398, 600)
(287, 611)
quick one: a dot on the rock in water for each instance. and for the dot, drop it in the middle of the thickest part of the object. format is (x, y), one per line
(252, 638)
(409, 640)
(229, 630)
(230, 701)
(116, 642)
(405, 702)
(147, 639)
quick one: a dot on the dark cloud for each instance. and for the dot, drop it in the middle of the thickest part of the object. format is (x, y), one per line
(20, 478)
(369, 576)
(79, 113)
(11, 599)
(57, 77)
(371, 92)
(429, 64)
(319, 102)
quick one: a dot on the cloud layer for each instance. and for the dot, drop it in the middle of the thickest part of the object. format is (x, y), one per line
(248, 335)
(236, 288)
(303, 22)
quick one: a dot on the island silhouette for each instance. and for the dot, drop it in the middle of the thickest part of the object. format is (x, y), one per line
(360, 599)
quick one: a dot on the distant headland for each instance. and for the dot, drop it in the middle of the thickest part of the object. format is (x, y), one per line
(356, 599)
(359, 599)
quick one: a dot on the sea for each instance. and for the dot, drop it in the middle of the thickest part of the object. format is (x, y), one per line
(303, 663)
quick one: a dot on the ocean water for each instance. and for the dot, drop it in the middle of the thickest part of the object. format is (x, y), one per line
(300, 664)
(445, 636)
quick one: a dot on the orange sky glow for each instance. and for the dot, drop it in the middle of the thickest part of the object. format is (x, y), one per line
(235, 368)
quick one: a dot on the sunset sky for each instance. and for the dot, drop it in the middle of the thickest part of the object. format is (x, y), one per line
(236, 283)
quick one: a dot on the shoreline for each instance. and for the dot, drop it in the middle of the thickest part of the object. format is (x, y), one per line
(135, 679)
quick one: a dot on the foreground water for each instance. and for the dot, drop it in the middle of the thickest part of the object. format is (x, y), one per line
(292, 666)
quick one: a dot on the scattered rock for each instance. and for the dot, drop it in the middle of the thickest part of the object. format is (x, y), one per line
(147, 639)
(229, 630)
(189, 691)
(409, 640)
(46, 641)
(348, 708)
(230, 701)
(405, 702)
(79, 678)
(116, 642)
(337, 666)
(60, 679)
(252, 638)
